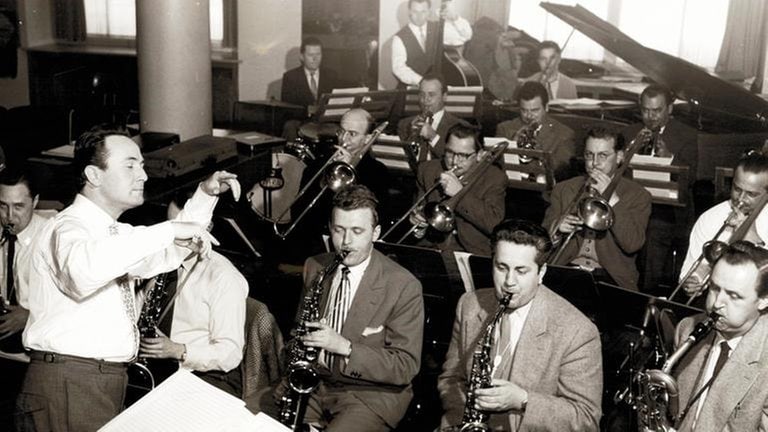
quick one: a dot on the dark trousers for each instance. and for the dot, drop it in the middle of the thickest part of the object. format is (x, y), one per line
(11, 377)
(67, 393)
(665, 247)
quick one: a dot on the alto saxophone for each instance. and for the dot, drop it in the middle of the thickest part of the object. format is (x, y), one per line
(302, 377)
(475, 420)
(154, 304)
(657, 400)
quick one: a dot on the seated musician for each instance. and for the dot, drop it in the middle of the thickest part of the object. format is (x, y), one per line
(609, 255)
(479, 209)
(82, 318)
(371, 332)
(204, 328)
(557, 84)
(670, 225)
(303, 85)
(750, 186)
(547, 369)
(722, 381)
(552, 136)
(18, 202)
(429, 129)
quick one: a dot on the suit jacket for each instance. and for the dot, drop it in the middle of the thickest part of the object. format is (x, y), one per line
(566, 88)
(553, 137)
(295, 88)
(385, 324)
(478, 211)
(617, 248)
(557, 361)
(437, 151)
(738, 397)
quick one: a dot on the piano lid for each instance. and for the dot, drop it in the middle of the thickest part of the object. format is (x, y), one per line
(703, 91)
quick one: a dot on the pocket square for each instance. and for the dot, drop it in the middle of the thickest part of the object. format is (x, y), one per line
(372, 330)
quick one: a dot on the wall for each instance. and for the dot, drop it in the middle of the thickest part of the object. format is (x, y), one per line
(268, 35)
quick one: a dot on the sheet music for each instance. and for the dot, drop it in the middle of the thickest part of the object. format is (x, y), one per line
(465, 271)
(186, 403)
(511, 159)
(639, 174)
(350, 90)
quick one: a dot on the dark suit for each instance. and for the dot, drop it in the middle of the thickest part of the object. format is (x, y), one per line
(553, 137)
(557, 361)
(295, 88)
(669, 227)
(478, 211)
(385, 325)
(437, 151)
(617, 248)
(738, 398)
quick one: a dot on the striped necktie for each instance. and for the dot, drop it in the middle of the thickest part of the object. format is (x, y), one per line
(338, 308)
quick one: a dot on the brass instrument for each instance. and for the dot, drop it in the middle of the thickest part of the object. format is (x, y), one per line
(302, 377)
(480, 377)
(714, 248)
(335, 175)
(593, 208)
(415, 140)
(657, 398)
(526, 139)
(440, 215)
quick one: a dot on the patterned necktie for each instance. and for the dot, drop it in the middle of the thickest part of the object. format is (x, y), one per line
(337, 309)
(313, 84)
(10, 241)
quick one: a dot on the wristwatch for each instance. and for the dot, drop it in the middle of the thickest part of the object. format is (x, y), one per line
(184, 354)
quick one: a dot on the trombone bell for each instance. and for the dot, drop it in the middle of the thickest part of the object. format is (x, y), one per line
(440, 216)
(338, 175)
(596, 213)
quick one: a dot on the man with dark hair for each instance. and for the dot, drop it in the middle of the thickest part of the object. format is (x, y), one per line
(546, 363)
(414, 46)
(370, 336)
(610, 254)
(303, 85)
(669, 225)
(722, 381)
(430, 128)
(550, 134)
(82, 331)
(479, 210)
(749, 188)
(557, 84)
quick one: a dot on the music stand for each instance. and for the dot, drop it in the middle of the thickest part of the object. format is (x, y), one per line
(621, 306)
(671, 190)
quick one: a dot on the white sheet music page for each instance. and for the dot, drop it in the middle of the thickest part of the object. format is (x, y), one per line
(186, 403)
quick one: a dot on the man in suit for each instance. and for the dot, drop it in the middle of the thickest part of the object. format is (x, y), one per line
(371, 334)
(547, 365)
(669, 226)
(414, 46)
(609, 255)
(305, 84)
(482, 206)
(553, 136)
(722, 380)
(429, 130)
(557, 84)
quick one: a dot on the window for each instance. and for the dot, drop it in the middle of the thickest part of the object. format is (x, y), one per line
(116, 19)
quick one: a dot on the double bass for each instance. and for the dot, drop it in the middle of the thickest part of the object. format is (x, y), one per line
(450, 63)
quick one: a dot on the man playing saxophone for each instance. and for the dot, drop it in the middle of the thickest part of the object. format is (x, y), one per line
(610, 254)
(547, 368)
(482, 206)
(722, 381)
(749, 187)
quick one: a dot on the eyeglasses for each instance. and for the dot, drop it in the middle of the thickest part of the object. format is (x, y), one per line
(342, 132)
(455, 156)
(598, 157)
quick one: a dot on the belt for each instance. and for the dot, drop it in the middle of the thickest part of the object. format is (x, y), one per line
(51, 357)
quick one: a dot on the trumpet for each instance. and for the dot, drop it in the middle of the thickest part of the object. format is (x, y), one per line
(440, 215)
(592, 207)
(526, 139)
(335, 176)
(714, 248)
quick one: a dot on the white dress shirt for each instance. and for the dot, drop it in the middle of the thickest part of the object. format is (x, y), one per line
(514, 321)
(209, 314)
(308, 77)
(22, 262)
(709, 370)
(85, 265)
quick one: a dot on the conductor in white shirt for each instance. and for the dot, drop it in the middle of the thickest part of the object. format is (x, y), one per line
(82, 331)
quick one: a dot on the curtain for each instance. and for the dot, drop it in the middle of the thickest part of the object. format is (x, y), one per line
(743, 43)
(69, 20)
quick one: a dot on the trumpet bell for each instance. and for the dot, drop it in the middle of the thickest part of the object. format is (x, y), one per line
(338, 175)
(713, 250)
(596, 213)
(439, 216)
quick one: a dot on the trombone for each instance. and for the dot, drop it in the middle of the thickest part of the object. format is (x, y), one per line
(593, 208)
(714, 248)
(335, 174)
(440, 215)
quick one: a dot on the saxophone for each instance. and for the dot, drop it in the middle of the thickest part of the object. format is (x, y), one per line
(475, 420)
(657, 400)
(302, 377)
